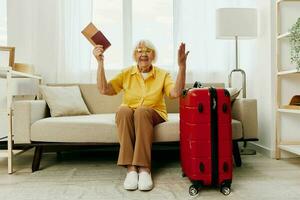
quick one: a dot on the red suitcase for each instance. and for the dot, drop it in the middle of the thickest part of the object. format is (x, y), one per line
(206, 138)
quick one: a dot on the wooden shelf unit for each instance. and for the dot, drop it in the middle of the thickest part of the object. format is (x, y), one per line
(292, 146)
(283, 36)
(284, 110)
(9, 75)
(288, 72)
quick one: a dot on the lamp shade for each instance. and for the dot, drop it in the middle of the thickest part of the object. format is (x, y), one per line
(231, 22)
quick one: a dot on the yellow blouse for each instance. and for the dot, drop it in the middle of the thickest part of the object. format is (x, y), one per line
(147, 92)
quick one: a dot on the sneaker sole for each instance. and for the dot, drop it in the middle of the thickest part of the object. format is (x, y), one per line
(130, 189)
(145, 189)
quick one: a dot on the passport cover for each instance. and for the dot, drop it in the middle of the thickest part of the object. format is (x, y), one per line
(95, 36)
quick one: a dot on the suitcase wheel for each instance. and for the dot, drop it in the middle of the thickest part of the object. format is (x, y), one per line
(193, 190)
(195, 187)
(225, 190)
(225, 187)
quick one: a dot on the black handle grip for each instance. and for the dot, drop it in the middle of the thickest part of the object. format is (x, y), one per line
(226, 92)
(184, 92)
(197, 85)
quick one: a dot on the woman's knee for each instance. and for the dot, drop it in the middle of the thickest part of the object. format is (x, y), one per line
(124, 112)
(141, 112)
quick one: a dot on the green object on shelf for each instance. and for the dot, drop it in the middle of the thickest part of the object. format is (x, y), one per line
(294, 40)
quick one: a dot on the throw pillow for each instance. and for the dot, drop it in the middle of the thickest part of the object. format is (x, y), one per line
(64, 101)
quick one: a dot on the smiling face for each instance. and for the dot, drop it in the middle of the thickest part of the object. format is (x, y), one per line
(144, 56)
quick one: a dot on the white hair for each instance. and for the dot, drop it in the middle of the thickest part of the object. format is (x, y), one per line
(149, 45)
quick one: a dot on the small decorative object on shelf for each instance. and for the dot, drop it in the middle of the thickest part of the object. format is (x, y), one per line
(294, 103)
(295, 43)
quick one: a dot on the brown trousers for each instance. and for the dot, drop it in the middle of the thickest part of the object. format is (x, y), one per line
(135, 131)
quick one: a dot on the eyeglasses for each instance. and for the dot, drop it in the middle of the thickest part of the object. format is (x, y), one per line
(144, 50)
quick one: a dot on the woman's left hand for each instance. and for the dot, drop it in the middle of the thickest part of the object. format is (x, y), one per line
(182, 55)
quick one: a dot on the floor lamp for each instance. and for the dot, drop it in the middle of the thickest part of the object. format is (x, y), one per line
(237, 23)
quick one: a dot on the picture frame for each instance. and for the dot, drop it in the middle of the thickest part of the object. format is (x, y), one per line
(7, 56)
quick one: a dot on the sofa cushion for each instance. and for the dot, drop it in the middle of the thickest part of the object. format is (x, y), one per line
(94, 128)
(101, 128)
(169, 130)
(84, 128)
(64, 101)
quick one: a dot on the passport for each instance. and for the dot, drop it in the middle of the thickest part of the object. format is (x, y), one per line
(95, 36)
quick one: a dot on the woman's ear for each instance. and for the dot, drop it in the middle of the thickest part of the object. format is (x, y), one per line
(154, 57)
(134, 56)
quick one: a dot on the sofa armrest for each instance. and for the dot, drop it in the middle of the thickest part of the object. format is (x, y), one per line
(24, 115)
(245, 111)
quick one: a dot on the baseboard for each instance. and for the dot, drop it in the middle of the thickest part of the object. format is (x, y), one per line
(285, 154)
(261, 149)
(269, 152)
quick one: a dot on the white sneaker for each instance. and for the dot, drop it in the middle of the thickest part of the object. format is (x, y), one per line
(131, 181)
(145, 181)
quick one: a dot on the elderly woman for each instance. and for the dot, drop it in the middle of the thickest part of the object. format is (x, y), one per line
(143, 107)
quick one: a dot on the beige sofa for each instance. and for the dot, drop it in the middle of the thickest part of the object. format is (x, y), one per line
(32, 124)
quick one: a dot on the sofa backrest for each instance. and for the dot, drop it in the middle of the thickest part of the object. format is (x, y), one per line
(98, 103)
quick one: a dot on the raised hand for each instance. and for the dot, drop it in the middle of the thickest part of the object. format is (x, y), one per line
(98, 53)
(182, 55)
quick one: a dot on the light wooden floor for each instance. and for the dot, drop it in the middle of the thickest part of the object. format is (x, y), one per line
(94, 175)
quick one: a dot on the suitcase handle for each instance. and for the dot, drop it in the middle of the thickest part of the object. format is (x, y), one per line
(197, 85)
(226, 92)
(184, 92)
(200, 108)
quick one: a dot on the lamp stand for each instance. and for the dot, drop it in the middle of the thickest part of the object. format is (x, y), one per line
(237, 69)
(244, 150)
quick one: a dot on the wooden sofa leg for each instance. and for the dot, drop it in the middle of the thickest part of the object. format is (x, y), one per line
(37, 158)
(236, 153)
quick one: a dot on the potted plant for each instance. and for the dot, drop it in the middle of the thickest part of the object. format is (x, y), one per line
(294, 40)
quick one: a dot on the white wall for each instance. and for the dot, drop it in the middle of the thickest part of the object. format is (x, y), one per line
(30, 31)
(260, 77)
(20, 35)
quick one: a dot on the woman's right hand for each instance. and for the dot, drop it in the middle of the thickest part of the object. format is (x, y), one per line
(98, 53)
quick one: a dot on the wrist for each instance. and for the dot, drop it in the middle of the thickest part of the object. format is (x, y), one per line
(182, 64)
(100, 63)
(182, 68)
